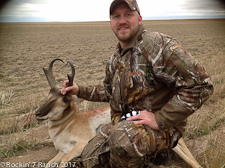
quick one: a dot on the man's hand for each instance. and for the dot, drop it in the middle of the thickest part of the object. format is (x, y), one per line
(74, 89)
(146, 118)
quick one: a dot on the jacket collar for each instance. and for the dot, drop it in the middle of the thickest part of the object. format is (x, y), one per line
(132, 41)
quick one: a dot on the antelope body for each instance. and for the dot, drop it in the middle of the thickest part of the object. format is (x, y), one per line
(76, 129)
(70, 132)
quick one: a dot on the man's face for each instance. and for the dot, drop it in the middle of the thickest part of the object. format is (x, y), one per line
(124, 23)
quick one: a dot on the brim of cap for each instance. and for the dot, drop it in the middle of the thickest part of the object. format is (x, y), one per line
(114, 3)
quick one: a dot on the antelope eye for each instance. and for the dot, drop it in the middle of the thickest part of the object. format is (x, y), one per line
(65, 100)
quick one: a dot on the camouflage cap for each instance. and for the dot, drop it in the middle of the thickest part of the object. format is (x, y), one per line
(131, 3)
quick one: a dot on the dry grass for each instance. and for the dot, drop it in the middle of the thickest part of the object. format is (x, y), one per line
(26, 48)
(215, 152)
(15, 145)
(5, 97)
(208, 124)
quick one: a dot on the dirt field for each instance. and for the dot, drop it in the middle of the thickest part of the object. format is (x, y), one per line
(25, 48)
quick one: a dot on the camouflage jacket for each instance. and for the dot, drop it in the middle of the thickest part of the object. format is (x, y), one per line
(154, 73)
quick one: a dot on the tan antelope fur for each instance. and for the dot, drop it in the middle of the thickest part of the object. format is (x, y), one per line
(70, 132)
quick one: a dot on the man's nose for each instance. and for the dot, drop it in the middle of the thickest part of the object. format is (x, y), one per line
(122, 20)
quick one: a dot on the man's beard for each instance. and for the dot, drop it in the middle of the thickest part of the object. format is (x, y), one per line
(124, 39)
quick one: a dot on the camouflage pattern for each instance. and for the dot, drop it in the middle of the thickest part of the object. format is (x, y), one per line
(131, 3)
(127, 145)
(154, 73)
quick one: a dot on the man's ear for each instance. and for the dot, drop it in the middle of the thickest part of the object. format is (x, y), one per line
(140, 20)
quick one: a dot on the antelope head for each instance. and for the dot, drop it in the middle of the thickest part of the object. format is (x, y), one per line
(57, 104)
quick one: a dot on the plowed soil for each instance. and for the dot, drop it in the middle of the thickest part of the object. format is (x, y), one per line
(25, 48)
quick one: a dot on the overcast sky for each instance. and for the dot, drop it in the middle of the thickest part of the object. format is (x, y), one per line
(90, 10)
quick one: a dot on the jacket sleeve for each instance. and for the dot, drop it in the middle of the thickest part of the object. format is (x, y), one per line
(191, 83)
(96, 93)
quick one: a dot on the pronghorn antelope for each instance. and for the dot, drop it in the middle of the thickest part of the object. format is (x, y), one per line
(70, 132)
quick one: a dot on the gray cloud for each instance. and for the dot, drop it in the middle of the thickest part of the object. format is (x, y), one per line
(204, 8)
(15, 10)
(203, 5)
(12, 6)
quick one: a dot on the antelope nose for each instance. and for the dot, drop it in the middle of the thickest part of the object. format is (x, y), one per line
(37, 113)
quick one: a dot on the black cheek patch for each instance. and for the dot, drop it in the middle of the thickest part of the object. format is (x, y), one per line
(45, 108)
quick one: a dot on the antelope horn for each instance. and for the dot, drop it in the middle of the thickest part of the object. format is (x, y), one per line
(72, 75)
(49, 74)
